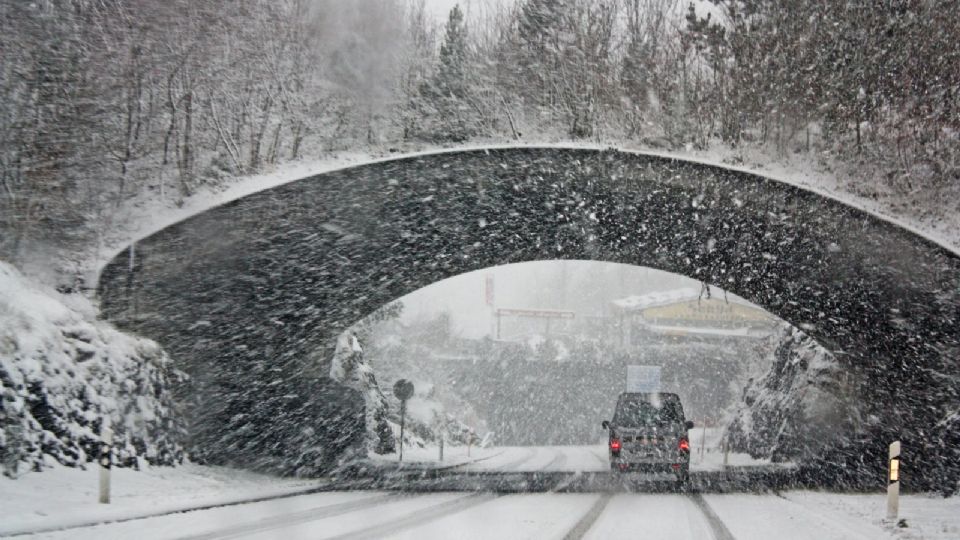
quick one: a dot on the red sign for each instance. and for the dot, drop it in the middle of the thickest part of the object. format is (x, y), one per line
(539, 313)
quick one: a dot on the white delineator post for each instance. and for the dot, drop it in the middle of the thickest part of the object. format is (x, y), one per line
(703, 440)
(106, 453)
(893, 481)
(438, 422)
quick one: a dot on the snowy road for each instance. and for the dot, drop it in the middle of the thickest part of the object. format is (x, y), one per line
(360, 515)
(64, 499)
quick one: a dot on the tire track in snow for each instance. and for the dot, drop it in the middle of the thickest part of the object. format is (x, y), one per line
(583, 526)
(510, 466)
(296, 518)
(604, 458)
(517, 465)
(418, 517)
(557, 463)
(717, 527)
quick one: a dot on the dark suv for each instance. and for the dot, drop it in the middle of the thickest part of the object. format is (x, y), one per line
(648, 433)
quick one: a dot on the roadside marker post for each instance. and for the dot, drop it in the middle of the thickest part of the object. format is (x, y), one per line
(106, 460)
(893, 482)
(439, 430)
(403, 390)
(703, 440)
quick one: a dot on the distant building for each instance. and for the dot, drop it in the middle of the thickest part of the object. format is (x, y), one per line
(687, 313)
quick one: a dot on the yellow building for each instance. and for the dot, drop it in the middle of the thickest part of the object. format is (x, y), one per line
(688, 312)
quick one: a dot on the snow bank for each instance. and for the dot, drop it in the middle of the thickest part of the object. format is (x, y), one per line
(62, 373)
(67, 497)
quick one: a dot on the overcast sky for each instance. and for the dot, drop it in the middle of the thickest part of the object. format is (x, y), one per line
(442, 7)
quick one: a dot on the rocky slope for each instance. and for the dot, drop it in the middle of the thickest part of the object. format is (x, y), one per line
(64, 375)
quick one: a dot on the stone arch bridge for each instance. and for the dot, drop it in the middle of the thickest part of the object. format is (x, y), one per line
(245, 295)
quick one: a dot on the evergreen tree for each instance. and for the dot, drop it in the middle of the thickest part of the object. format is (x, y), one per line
(451, 74)
(450, 115)
(539, 30)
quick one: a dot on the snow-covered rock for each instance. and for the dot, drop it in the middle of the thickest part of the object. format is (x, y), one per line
(796, 407)
(63, 374)
(350, 369)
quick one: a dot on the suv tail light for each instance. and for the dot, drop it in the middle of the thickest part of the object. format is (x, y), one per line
(684, 444)
(615, 445)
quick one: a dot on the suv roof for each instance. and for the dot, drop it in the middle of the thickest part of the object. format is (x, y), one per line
(650, 396)
(635, 409)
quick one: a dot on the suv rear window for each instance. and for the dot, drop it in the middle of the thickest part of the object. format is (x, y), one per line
(638, 412)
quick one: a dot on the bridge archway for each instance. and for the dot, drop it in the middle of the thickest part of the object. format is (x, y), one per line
(249, 289)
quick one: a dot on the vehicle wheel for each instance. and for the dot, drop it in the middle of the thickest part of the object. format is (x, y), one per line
(683, 477)
(614, 467)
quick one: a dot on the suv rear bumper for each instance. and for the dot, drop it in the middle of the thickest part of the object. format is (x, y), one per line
(647, 458)
(653, 468)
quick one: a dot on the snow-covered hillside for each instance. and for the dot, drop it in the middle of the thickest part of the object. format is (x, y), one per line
(63, 374)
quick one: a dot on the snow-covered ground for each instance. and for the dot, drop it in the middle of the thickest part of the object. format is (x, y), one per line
(63, 496)
(795, 515)
(209, 502)
(706, 453)
(830, 516)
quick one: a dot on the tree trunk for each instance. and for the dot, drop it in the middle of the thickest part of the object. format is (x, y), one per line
(186, 168)
(257, 138)
(297, 139)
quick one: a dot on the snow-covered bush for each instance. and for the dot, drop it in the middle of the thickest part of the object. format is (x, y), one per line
(62, 373)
